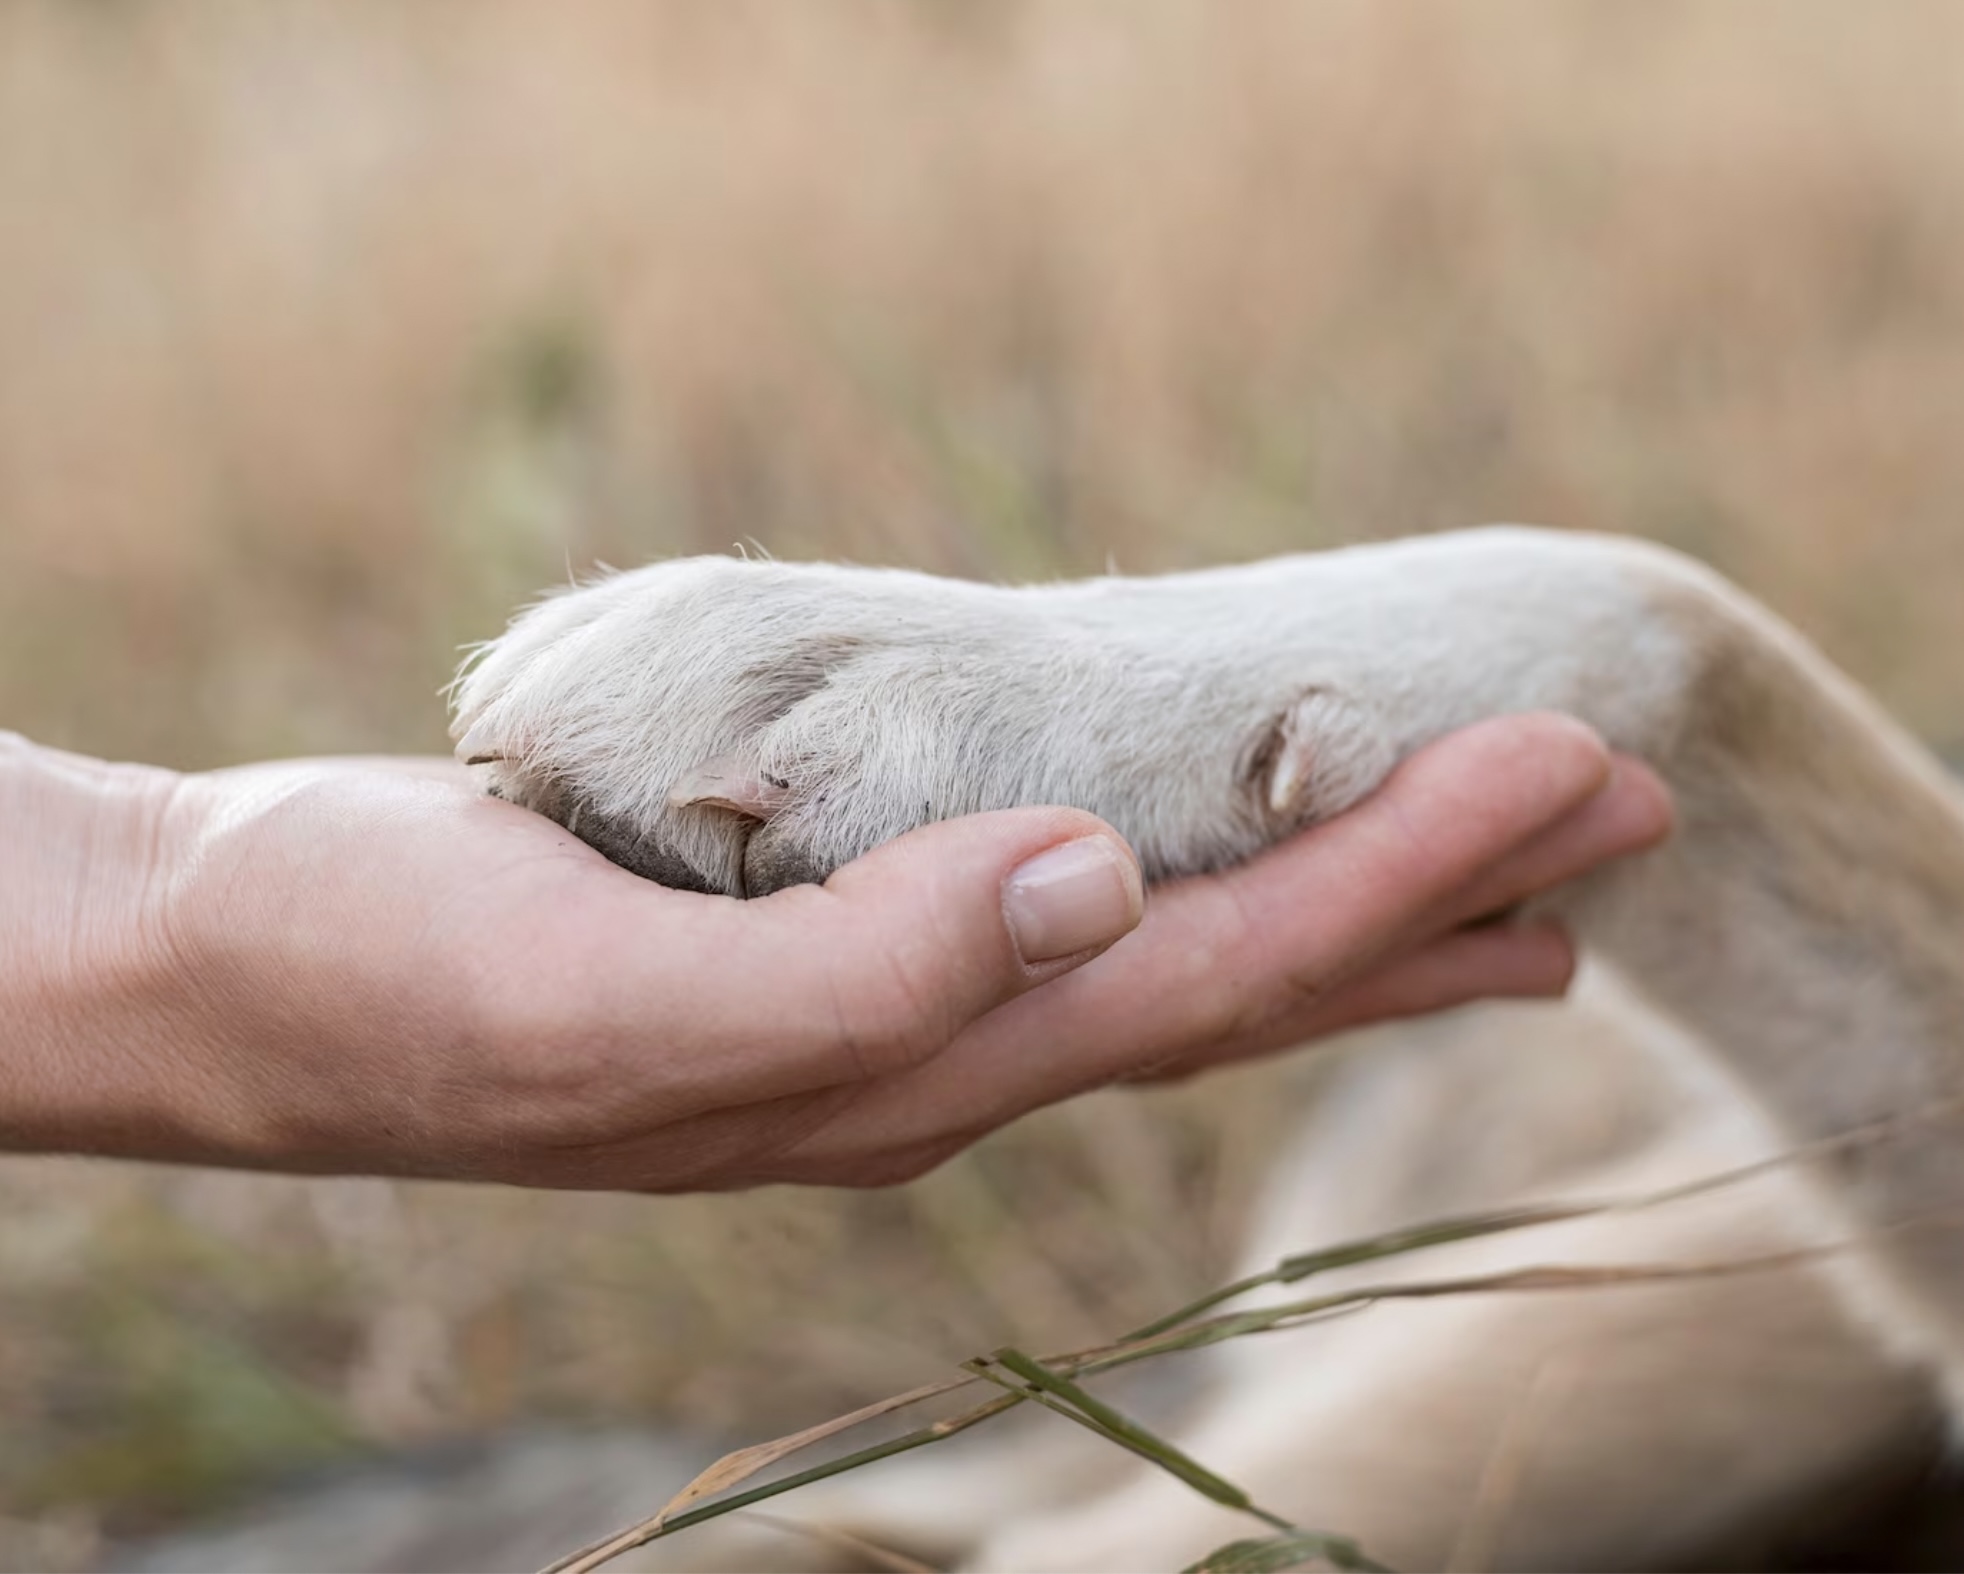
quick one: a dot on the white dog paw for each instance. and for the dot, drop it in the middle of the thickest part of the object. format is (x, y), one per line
(732, 726)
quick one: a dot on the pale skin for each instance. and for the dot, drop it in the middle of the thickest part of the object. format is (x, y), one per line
(367, 966)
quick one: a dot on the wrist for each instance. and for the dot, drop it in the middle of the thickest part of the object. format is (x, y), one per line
(90, 1015)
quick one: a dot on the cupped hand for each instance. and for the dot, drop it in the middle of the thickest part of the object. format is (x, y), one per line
(367, 966)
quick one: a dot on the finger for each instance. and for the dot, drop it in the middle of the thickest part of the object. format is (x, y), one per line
(1632, 813)
(771, 1144)
(871, 973)
(1529, 962)
(1227, 957)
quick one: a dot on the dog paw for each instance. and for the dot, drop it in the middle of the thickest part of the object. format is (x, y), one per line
(733, 726)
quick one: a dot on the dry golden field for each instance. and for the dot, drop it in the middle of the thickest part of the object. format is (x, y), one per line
(330, 331)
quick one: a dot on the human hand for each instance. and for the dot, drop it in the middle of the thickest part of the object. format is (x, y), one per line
(361, 965)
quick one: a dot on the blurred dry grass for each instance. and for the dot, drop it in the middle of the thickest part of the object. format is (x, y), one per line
(332, 330)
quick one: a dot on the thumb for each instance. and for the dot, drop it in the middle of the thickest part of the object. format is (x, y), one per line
(921, 936)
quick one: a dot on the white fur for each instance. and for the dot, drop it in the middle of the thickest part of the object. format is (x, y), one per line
(884, 699)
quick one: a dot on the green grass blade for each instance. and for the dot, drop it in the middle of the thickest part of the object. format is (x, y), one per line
(1124, 1430)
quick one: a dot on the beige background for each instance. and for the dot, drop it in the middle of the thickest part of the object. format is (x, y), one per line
(328, 332)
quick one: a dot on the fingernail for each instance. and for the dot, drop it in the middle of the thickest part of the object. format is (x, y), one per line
(1066, 900)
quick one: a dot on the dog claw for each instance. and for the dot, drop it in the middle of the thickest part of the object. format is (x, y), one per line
(728, 783)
